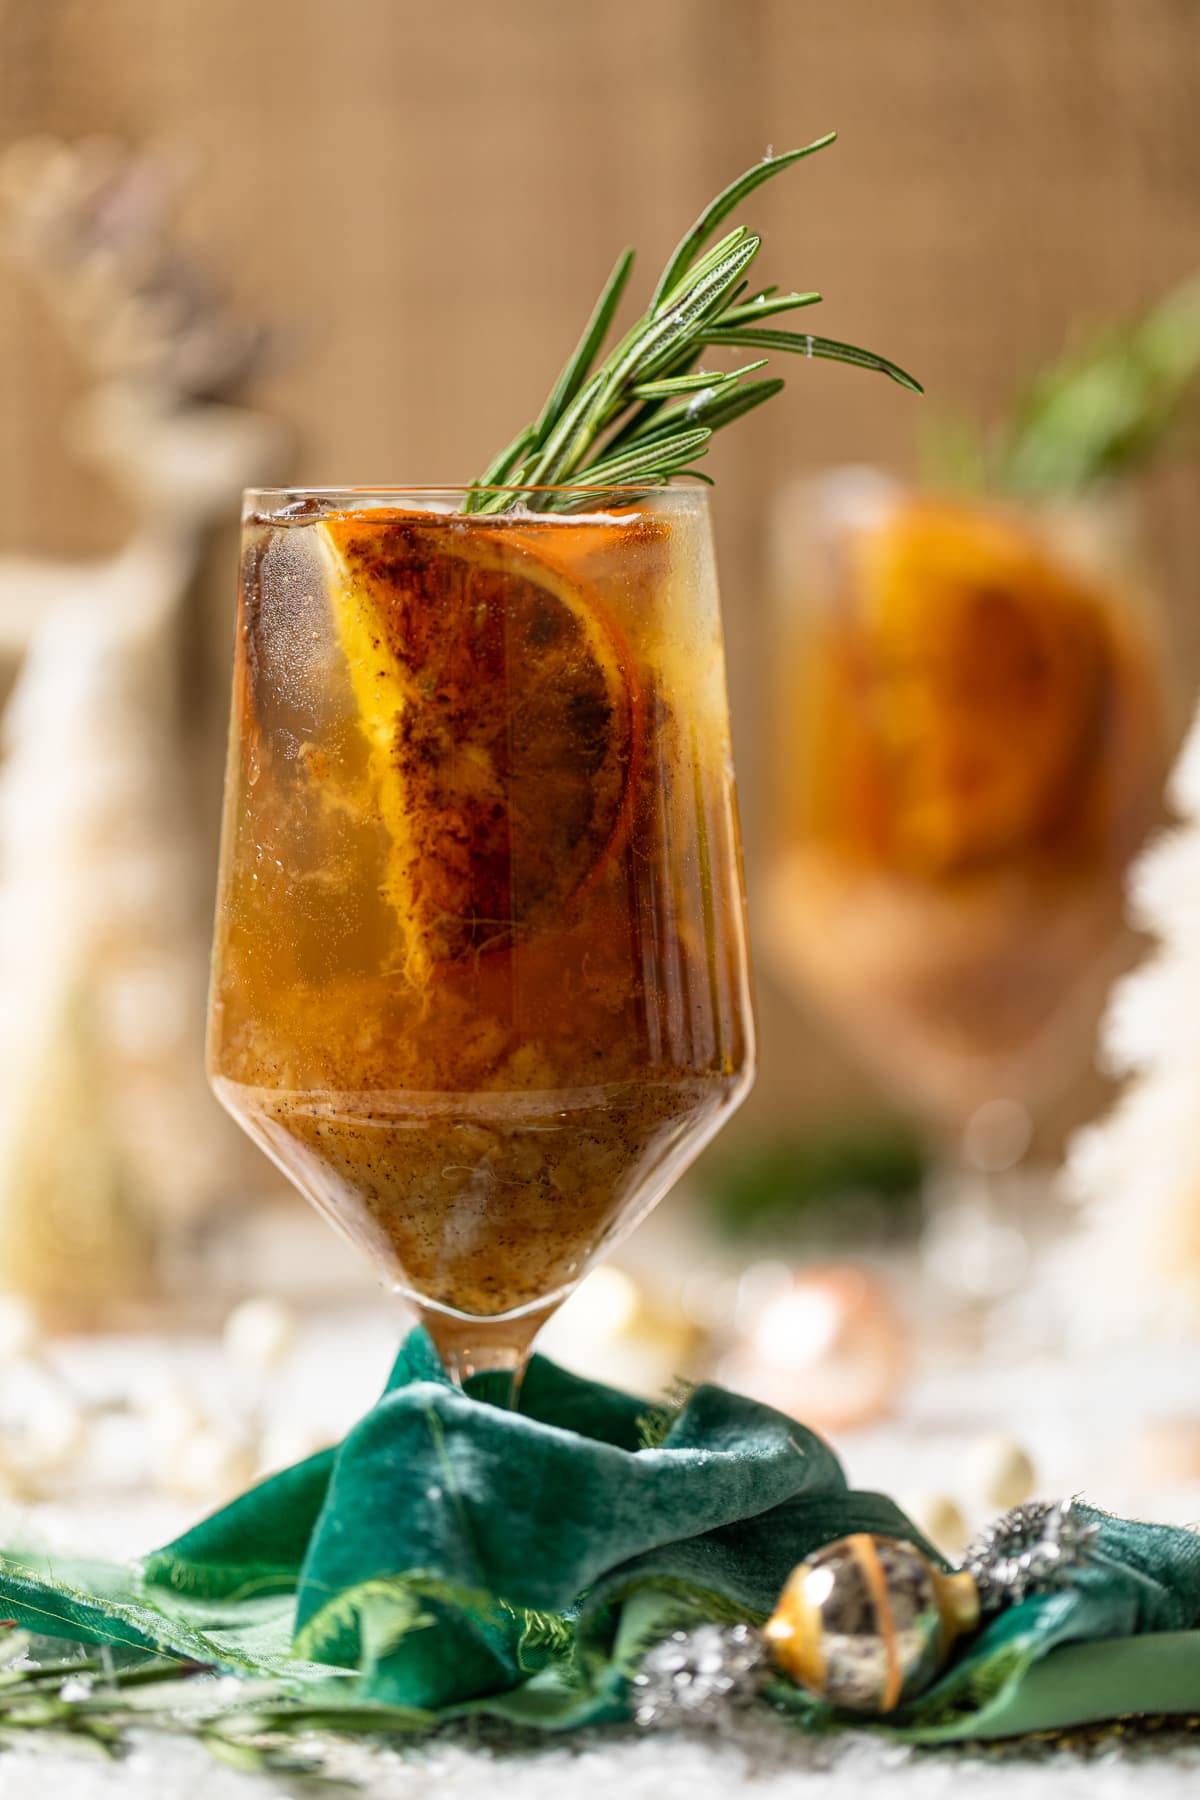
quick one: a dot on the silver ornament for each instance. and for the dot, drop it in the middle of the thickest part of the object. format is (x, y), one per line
(695, 1677)
(1028, 1550)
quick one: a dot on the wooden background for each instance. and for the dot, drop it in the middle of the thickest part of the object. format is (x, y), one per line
(427, 198)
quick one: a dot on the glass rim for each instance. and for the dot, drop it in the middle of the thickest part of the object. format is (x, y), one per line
(688, 486)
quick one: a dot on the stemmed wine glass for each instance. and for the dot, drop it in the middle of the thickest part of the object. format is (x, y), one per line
(970, 745)
(480, 981)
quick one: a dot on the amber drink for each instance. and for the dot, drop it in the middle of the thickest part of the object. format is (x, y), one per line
(972, 738)
(480, 978)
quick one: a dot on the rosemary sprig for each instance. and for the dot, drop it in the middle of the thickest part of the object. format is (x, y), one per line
(88, 1702)
(1106, 407)
(646, 414)
(1111, 405)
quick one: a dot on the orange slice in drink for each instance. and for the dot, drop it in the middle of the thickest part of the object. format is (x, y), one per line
(504, 719)
(986, 670)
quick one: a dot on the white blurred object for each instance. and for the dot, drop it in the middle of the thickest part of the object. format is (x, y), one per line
(969, 1247)
(939, 1517)
(208, 1464)
(105, 1121)
(19, 1332)
(1132, 1267)
(999, 1471)
(260, 1332)
(288, 1441)
(41, 1423)
(617, 1331)
(169, 1413)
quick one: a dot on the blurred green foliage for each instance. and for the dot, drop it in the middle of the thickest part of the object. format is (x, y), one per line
(857, 1183)
(1105, 407)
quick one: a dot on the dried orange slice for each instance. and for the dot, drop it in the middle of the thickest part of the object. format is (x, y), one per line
(503, 714)
(985, 670)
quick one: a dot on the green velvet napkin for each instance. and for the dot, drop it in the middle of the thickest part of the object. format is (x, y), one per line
(451, 1556)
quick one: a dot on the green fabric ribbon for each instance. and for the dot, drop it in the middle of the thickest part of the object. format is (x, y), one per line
(451, 1556)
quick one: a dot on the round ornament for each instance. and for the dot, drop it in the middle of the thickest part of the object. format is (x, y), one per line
(937, 1517)
(828, 1347)
(869, 1621)
(1000, 1470)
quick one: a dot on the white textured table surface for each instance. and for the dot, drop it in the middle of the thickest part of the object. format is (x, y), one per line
(1083, 1423)
(766, 1762)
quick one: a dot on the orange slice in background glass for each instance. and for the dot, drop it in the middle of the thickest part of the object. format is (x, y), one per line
(504, 720)
(984, 670)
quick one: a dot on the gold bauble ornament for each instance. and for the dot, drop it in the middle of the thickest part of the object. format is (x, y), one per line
(869, 1621)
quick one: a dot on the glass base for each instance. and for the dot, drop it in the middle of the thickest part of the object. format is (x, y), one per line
(470, 1345)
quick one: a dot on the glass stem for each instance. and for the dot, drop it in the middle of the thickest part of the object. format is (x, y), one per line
(973, 1244)
(491, 1348)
